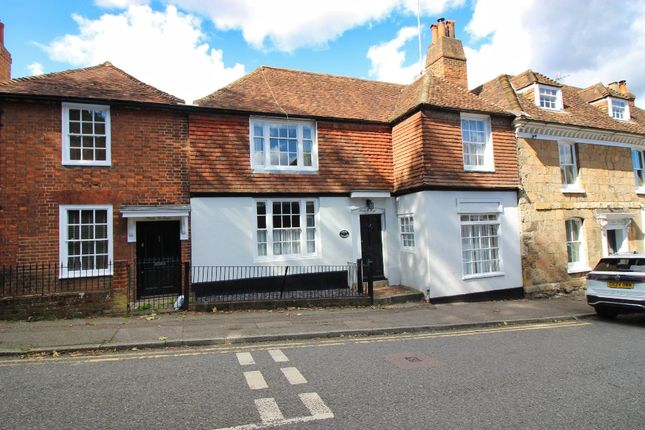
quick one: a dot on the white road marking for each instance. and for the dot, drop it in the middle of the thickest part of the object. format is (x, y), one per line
(245, 358)
(278, 356)
(316, 406)
(255, 380)
(293, 375)
(272, 416)
(269, 410)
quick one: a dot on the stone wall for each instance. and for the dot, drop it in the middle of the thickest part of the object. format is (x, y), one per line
(606, 175)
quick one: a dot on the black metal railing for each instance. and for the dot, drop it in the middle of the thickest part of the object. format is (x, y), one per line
(41, 279)
(217, 284)
(155, 284)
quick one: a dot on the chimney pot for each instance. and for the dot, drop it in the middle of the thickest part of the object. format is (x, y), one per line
(450, 28)
(435, 33)
(442, 27)
(622, 87)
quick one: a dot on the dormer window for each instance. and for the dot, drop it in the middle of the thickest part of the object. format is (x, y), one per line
(618, 109)
(548, 97)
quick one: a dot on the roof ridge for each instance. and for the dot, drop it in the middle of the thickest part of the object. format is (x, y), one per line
(466, 91)
(332, 76)
(230, 84)
(60, 72)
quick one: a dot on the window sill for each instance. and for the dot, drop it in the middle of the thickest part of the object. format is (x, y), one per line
(479, 169)
(578, 269)
(88, 164)
(483, 275)
(283, 258)
(305, 171)
(640, 191)
(573, 190)
(85, 274)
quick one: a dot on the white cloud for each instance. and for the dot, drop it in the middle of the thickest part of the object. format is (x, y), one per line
(35, 69)
(291, 24)
(585, 41)
(164, 49)
(388, 59)
(120, 4)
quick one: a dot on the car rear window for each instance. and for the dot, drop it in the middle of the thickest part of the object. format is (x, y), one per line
(621, 265)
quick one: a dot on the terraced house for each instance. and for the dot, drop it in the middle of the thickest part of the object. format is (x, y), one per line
(580, 154)
(305, 169)
(93, 175)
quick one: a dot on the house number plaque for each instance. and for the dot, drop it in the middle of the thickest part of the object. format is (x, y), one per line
(344, 234)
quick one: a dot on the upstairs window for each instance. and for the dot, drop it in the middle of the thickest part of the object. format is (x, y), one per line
(548, 97)
(568, 166)
(618, 109)
(283, 145)
(477, 143)
(638, 162)
(86, 135)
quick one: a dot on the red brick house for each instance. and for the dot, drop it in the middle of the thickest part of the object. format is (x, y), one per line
(93, 171)
(297, 168)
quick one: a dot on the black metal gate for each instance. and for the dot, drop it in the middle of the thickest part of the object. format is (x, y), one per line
(158, 258)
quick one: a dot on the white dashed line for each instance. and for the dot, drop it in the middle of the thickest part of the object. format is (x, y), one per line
(278, 356)
(293, 375)
(269, 410)
(255, 380)
(245, 358)
(316, 406)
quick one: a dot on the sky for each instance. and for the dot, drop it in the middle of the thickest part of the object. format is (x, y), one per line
(190, 48)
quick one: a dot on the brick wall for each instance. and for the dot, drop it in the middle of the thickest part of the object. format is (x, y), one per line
(350, 156)
(149, 166)
(608, 180)
(453, 70)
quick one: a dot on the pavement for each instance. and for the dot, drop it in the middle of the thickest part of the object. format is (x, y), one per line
(213, 328)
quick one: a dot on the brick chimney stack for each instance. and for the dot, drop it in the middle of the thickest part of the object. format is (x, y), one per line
(5, 58)
(445, 57)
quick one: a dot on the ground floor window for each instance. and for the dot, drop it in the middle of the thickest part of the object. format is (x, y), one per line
(286, 227)
(480, 244)
(85, 240)
(406, 226)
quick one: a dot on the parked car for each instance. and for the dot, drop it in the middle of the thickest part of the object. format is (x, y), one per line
(617, 285)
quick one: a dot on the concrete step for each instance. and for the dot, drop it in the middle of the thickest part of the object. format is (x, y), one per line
(394, 294)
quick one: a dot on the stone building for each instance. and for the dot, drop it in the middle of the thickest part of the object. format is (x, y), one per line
(580, 156)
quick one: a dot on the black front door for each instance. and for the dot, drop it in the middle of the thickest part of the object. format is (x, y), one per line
(372, 245)
(158, 258)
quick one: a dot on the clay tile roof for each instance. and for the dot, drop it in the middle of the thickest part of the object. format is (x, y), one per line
(101, 82)
(276, 91)
(577, 109)
(279, 91)
(599, 91)
(530, 77)
(434, 91)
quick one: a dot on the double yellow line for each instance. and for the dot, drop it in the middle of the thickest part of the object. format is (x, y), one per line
(100, 357)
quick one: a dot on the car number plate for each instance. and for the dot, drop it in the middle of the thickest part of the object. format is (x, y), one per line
(626, 285)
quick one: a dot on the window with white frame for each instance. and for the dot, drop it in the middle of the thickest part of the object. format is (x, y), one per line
(477, 142)
(406, 226)
(286, 228)
(283, 145)
(618, 109)
(568, 165)
(480, 244)
(575, 254)
(86, 135)
(85, 240)
(548, 97)
(638, 162)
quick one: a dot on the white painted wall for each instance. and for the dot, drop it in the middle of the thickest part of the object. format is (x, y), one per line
(223, 233)
(437, 263)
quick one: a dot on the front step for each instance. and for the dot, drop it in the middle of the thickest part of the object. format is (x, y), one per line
(389, 295)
